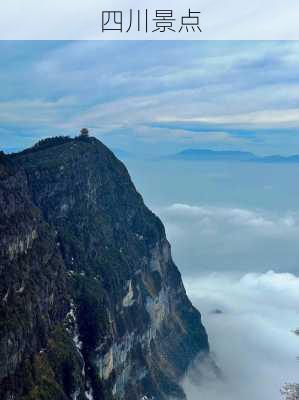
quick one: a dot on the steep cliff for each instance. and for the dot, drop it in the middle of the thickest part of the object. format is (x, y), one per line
(99, 272)
(33, 297)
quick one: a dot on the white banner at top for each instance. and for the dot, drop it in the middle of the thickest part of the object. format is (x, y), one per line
(149, 20)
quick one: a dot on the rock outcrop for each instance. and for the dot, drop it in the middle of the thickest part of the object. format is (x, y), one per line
(91, 304)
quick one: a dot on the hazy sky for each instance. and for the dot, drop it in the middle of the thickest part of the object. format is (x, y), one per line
(153, 97)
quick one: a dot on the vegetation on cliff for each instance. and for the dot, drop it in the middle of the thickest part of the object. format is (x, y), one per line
(93, 306)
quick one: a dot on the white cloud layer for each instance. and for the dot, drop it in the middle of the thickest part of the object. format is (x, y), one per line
(209, 238)
(252, 340)
(232, 95)
(153, 96)
(287, 118)
(250, 316)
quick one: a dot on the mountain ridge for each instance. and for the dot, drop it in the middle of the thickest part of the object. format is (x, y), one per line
(230, 155)
(124, 327)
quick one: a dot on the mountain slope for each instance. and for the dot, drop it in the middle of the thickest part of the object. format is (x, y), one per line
(33, 297)
(134, 330)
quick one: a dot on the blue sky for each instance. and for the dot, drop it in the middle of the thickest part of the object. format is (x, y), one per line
(153, 97)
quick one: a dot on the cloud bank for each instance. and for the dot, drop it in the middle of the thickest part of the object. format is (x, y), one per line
(250, 312)
(210, 238)
(252, 339)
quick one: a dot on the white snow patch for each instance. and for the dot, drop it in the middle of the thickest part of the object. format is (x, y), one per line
(76, 395)
(128, 300)
(89, 392)
(6, 296)
(71, 317)
(21, 290)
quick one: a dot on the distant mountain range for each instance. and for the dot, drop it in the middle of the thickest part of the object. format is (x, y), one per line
(214, 155)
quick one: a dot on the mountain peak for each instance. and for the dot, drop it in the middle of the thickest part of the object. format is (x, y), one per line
(97, 266)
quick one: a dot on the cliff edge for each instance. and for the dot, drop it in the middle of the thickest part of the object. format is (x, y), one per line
(92, 305)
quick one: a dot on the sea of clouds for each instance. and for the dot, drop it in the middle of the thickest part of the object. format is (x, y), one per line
(249, 309)
(209, 238)
(252, 341)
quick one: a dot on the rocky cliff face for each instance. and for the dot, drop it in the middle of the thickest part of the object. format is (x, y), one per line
(33, 293)
(92, 305)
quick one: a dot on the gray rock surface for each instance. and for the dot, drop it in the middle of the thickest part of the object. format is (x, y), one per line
(92, 305)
